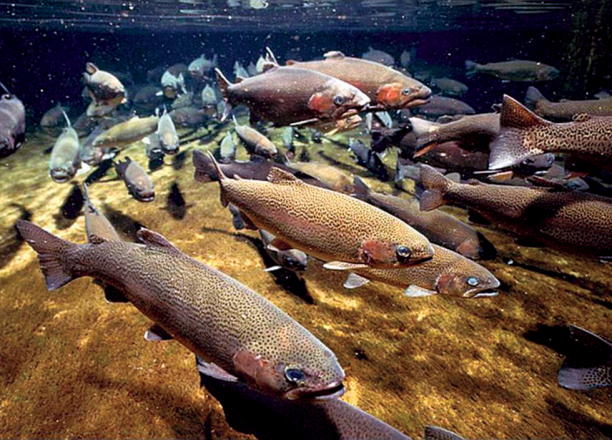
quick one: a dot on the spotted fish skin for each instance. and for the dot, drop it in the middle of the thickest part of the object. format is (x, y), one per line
(566, 110)
(592, 368)
(213, 315)
(572, 220)
(325, 224)
(440, 228)
(446, 273)
(524, 134)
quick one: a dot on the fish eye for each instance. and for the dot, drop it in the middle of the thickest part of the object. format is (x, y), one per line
(338, 99)
(406, 91)
(403, 252)
(294, 375)
(5, 96)
(472, 281)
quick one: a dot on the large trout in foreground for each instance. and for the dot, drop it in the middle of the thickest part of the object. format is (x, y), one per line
(244, 335)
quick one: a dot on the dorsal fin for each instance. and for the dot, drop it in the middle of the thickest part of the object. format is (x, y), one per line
(333, 54)
(153, 239)
(516, 115)
(290, 62)
(239, 79)
(91, 68)
(278, 176)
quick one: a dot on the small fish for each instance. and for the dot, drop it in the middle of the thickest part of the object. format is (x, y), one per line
(12, 123)
(406, 58)
(188, 116)
(331, 176)
(53, 117)
(96, 224)
(65, 156)
(452, 157)
(147, 97)
(89, 154)
(125, 133)
(240, 71)
(449, 86)
(104, 87)
(447, 273)
(439, 228)
(136, 180)
(173, 81)
(227, 149)
(182, 100)
(166, 133)
(209, 96)
(249, 339)
(379, 56)
(387, 89)
(254, 141)
(201, 66)
(574, 221)
(566, 110)
(331, 226)
(524, 134)
(514, 70)
(369, 159)
(438, 106)
(291, 95)
(285, 258)
(592, 366)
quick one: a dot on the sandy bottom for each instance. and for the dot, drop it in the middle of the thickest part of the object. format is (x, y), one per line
(74, 366)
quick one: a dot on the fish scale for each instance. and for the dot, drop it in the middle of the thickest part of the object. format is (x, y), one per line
(209, 312)
(328, 225)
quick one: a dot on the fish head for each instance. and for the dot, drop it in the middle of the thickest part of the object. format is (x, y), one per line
(405, 94)
(546, 73)
(294, 260)
(169, 143)
(62, 173)
(337, 100)
(316, 375)
(472, 284)
(385, 254)
(170, 92)
(143, 193)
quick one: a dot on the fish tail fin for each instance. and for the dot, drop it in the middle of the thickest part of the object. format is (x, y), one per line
(435, 185)
(224, 85)
(510, 147)
(205, 170)
(533, 97)
(51, 252)
(584, 378)
(470, 68)
(361, 188)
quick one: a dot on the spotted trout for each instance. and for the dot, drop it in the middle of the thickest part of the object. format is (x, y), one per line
(387, 88)
(524, 134)
(571, 220)
(334, 227)
(225, 323)
(447, 273)
(439, 227)
(566, 110)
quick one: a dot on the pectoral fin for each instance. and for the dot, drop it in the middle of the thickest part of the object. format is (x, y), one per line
(272, 268)
(343, 265)
(214, 371)
(353, 281)
(416, 292)
(156, 334)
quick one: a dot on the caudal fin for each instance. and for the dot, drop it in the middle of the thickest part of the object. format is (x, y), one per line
(224, 85)
(51, 252)
(511, 147)
(362, 191)
(435, 185)
(470, 68)
(533, 97)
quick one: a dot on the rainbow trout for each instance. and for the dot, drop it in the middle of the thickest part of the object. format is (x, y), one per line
(334, 227)
(572, 220)
(447, 273)
(524, 134)
(222, 321)
(566, 110)
(439, 227)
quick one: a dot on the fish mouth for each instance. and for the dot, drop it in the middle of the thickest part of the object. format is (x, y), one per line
(145, 198)
(333, 391)
(483, 292)
(60, 178)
